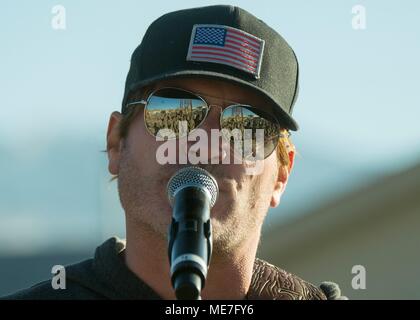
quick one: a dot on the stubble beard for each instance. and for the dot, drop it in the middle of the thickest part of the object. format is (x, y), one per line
(144, 202)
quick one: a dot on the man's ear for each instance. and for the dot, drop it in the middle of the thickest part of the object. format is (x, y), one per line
(113, 140)
(282, 178)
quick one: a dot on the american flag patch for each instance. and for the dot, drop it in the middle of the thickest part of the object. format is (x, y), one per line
(226, 45)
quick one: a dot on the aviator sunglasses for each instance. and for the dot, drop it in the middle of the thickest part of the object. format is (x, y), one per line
(166, 107)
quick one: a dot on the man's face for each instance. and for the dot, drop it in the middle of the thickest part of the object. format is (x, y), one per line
(243, 198)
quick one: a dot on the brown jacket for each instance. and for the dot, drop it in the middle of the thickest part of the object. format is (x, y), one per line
(272, 283)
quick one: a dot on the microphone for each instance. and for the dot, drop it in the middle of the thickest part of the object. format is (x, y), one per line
(192, 192)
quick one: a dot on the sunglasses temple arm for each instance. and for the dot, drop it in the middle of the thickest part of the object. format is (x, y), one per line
(136, 102)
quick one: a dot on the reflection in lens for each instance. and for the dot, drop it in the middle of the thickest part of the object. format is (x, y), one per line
(258, 134)
(168, 109)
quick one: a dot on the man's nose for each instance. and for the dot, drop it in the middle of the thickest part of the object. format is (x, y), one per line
(215, 146)
(212, 121)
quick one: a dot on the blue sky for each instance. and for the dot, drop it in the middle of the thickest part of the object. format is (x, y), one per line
(358, 107)
(358, 88)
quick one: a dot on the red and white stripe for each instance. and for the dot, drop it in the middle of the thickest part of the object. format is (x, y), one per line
(241, 50)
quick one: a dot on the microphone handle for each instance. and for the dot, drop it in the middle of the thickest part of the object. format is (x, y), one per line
(190, 242)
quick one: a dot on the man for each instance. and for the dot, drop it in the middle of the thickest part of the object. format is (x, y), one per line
(216, 67)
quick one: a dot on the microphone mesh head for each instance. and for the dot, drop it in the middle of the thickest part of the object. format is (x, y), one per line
(193, 176)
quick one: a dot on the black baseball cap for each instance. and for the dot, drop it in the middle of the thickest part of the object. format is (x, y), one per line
(220, 42)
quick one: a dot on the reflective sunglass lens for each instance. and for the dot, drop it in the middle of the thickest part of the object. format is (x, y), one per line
(251, 132)
(169, 109)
